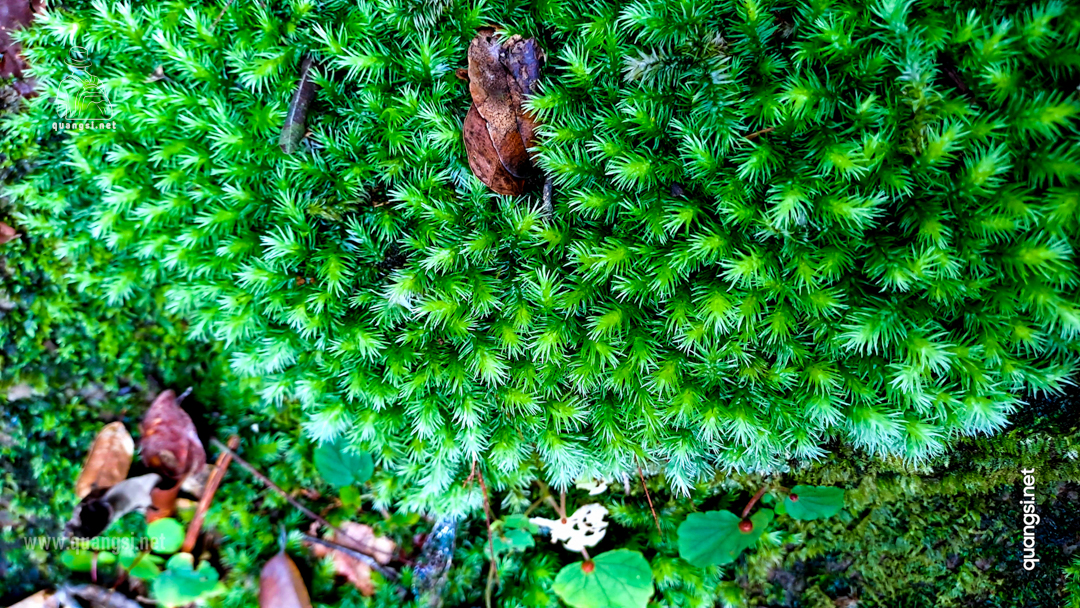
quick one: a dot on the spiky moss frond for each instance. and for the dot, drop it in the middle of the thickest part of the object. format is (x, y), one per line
(775, 226)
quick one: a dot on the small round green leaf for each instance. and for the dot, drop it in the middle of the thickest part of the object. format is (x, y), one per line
(619, 579)
(166, 535)
(714, 538)
(814, 502)
(340, 467)
(82, 561)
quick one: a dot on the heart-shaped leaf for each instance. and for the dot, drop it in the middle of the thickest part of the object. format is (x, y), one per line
(814, 502)
(340, 467)
(181, 583)
(512, 540)
(714, 537)
(166, 535)
(614, 579)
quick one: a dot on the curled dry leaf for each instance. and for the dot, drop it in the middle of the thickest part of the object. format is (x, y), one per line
(108, 461)
(170, 445)
(102, 507)
(280, 585)
(498, 130)
(357, 572)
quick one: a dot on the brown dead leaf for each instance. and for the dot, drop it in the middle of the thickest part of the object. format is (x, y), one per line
(101, 507)
(357, 572)
(14, 14)
(170, 445)
(502, 74)
(38, 600)
(280, 585)
(7, 233)
(108, 461)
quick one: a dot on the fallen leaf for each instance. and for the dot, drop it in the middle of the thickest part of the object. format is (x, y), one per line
(108, 461)
(102, 507)
(357, 572)
(294, 129)
(14, 14)
(37, 600)
(7, 233)
(169, 444)
(280, 584)
(498, 131)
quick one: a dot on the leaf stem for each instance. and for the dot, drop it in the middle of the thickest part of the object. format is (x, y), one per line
(753, 501)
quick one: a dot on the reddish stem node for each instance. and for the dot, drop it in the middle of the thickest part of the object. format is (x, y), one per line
(753, 501)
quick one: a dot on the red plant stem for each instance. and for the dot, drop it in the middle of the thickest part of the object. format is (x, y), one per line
(487, 518)
(211, 488)
(753, 501)
(649, 498)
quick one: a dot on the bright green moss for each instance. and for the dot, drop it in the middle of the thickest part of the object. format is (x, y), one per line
(775, 226)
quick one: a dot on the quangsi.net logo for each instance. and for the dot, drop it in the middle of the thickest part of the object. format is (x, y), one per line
(82, 100)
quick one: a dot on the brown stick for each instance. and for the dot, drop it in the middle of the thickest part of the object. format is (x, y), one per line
(212, 485)
(761, 132)
(487, 516)
(353, 553)
(340, 534)
(649, 498)
(753, 501)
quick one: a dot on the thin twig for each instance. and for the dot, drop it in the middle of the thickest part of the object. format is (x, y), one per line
(761, 132)
(494, 569)
(222, 13)
(536, 503)
(649, 498)
(209, 490)
(371, 551)
(353, 553)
